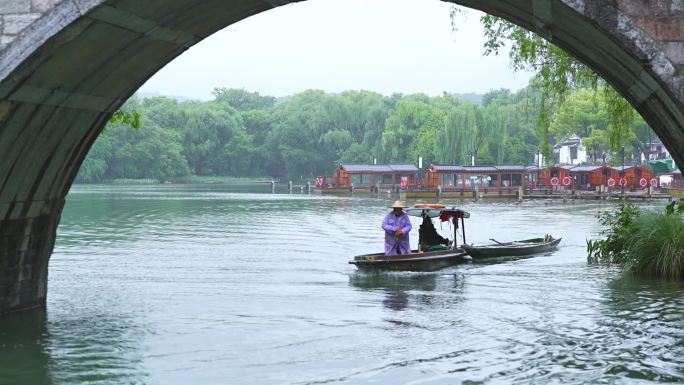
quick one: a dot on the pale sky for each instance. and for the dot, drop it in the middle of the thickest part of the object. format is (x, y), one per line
(387, 46)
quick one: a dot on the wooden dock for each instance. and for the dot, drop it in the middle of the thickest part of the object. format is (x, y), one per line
(509, 194)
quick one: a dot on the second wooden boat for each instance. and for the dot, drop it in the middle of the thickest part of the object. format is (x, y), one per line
(516, 248)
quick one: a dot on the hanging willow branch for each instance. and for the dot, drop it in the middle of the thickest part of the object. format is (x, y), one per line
(556, 75)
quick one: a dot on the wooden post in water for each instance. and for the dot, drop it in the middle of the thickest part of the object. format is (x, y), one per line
(289, 187)
(477, 192)
(272, 186)
(520, 193)
(308, 187)
(454, 222)
(439, 192)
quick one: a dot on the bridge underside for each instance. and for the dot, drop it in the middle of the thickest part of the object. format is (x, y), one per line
(65, 75)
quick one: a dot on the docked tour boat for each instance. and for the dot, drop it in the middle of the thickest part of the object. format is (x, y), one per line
(419, 260)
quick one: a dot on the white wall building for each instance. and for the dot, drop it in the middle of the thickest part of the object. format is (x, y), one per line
(570, 151)
(656, 151)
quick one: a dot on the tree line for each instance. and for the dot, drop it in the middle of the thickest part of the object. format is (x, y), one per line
(243, 133)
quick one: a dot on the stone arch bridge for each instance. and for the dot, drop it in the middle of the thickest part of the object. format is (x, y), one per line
(67, 65)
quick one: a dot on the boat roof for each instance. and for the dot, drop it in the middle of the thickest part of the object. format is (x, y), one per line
(510, 167)
(379, 168)
(493, 168)
(480, 168)
(447, 167)
(435, 212)
(622, 168)
(585, 168)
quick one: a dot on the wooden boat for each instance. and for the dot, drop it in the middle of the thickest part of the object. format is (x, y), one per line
(415, 261)
(420, 260)
(516, 248)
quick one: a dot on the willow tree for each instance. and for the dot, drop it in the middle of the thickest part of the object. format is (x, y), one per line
(411, 116)
(557, 73)
(494, 128)
(458, 139)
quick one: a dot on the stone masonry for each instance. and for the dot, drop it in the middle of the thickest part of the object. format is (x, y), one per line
(16, 15)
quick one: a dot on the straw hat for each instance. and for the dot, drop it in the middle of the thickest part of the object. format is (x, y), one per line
(398, 204)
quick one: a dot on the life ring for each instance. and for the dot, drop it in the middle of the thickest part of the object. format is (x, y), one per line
(654, 182)
(643, 182)
(567, 181)
(611, 182)
(429, 206)
(623, 182)
(554, 181)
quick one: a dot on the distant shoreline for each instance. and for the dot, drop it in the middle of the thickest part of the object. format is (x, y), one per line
(187, 180)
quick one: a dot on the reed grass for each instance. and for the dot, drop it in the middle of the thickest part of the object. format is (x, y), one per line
(657, 246)
(642, 242)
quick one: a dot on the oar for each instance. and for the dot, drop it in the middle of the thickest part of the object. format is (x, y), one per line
(492, 239)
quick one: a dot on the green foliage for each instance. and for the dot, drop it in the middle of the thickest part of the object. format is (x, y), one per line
(410, 116)
(243, 100)
(657, 246)
(558, 75)
(207, 131)
(242, 133)
(130, 118)
(147, 153)
(675, 208)
(644, 243)
(618, 229)
(457, 140)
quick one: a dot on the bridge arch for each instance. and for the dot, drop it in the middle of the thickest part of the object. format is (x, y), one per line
(67, 65)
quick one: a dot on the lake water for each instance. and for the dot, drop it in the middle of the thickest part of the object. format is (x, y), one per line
(219, 284)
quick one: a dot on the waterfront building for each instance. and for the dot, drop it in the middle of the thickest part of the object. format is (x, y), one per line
(370, 176)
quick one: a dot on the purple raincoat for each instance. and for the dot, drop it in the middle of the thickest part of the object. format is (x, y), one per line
(390, 224)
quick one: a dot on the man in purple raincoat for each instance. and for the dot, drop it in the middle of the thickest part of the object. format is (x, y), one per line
(397, 227)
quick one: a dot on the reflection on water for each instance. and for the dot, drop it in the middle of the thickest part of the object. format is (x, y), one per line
(68, 349)
(24, 358)
(216, 284)
(396, 286)
(393, 281)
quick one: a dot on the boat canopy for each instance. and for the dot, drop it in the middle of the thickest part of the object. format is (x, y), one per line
(434, 212)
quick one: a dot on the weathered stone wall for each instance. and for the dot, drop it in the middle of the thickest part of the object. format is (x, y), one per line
(17, 15)
(663, 21)
(652, 32)
(25, 246)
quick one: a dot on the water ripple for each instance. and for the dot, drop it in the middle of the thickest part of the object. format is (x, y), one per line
(207, 284)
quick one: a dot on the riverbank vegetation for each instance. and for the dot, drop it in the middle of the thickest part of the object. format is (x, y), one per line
(242, 133)
(643, 242)
(564, 84)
